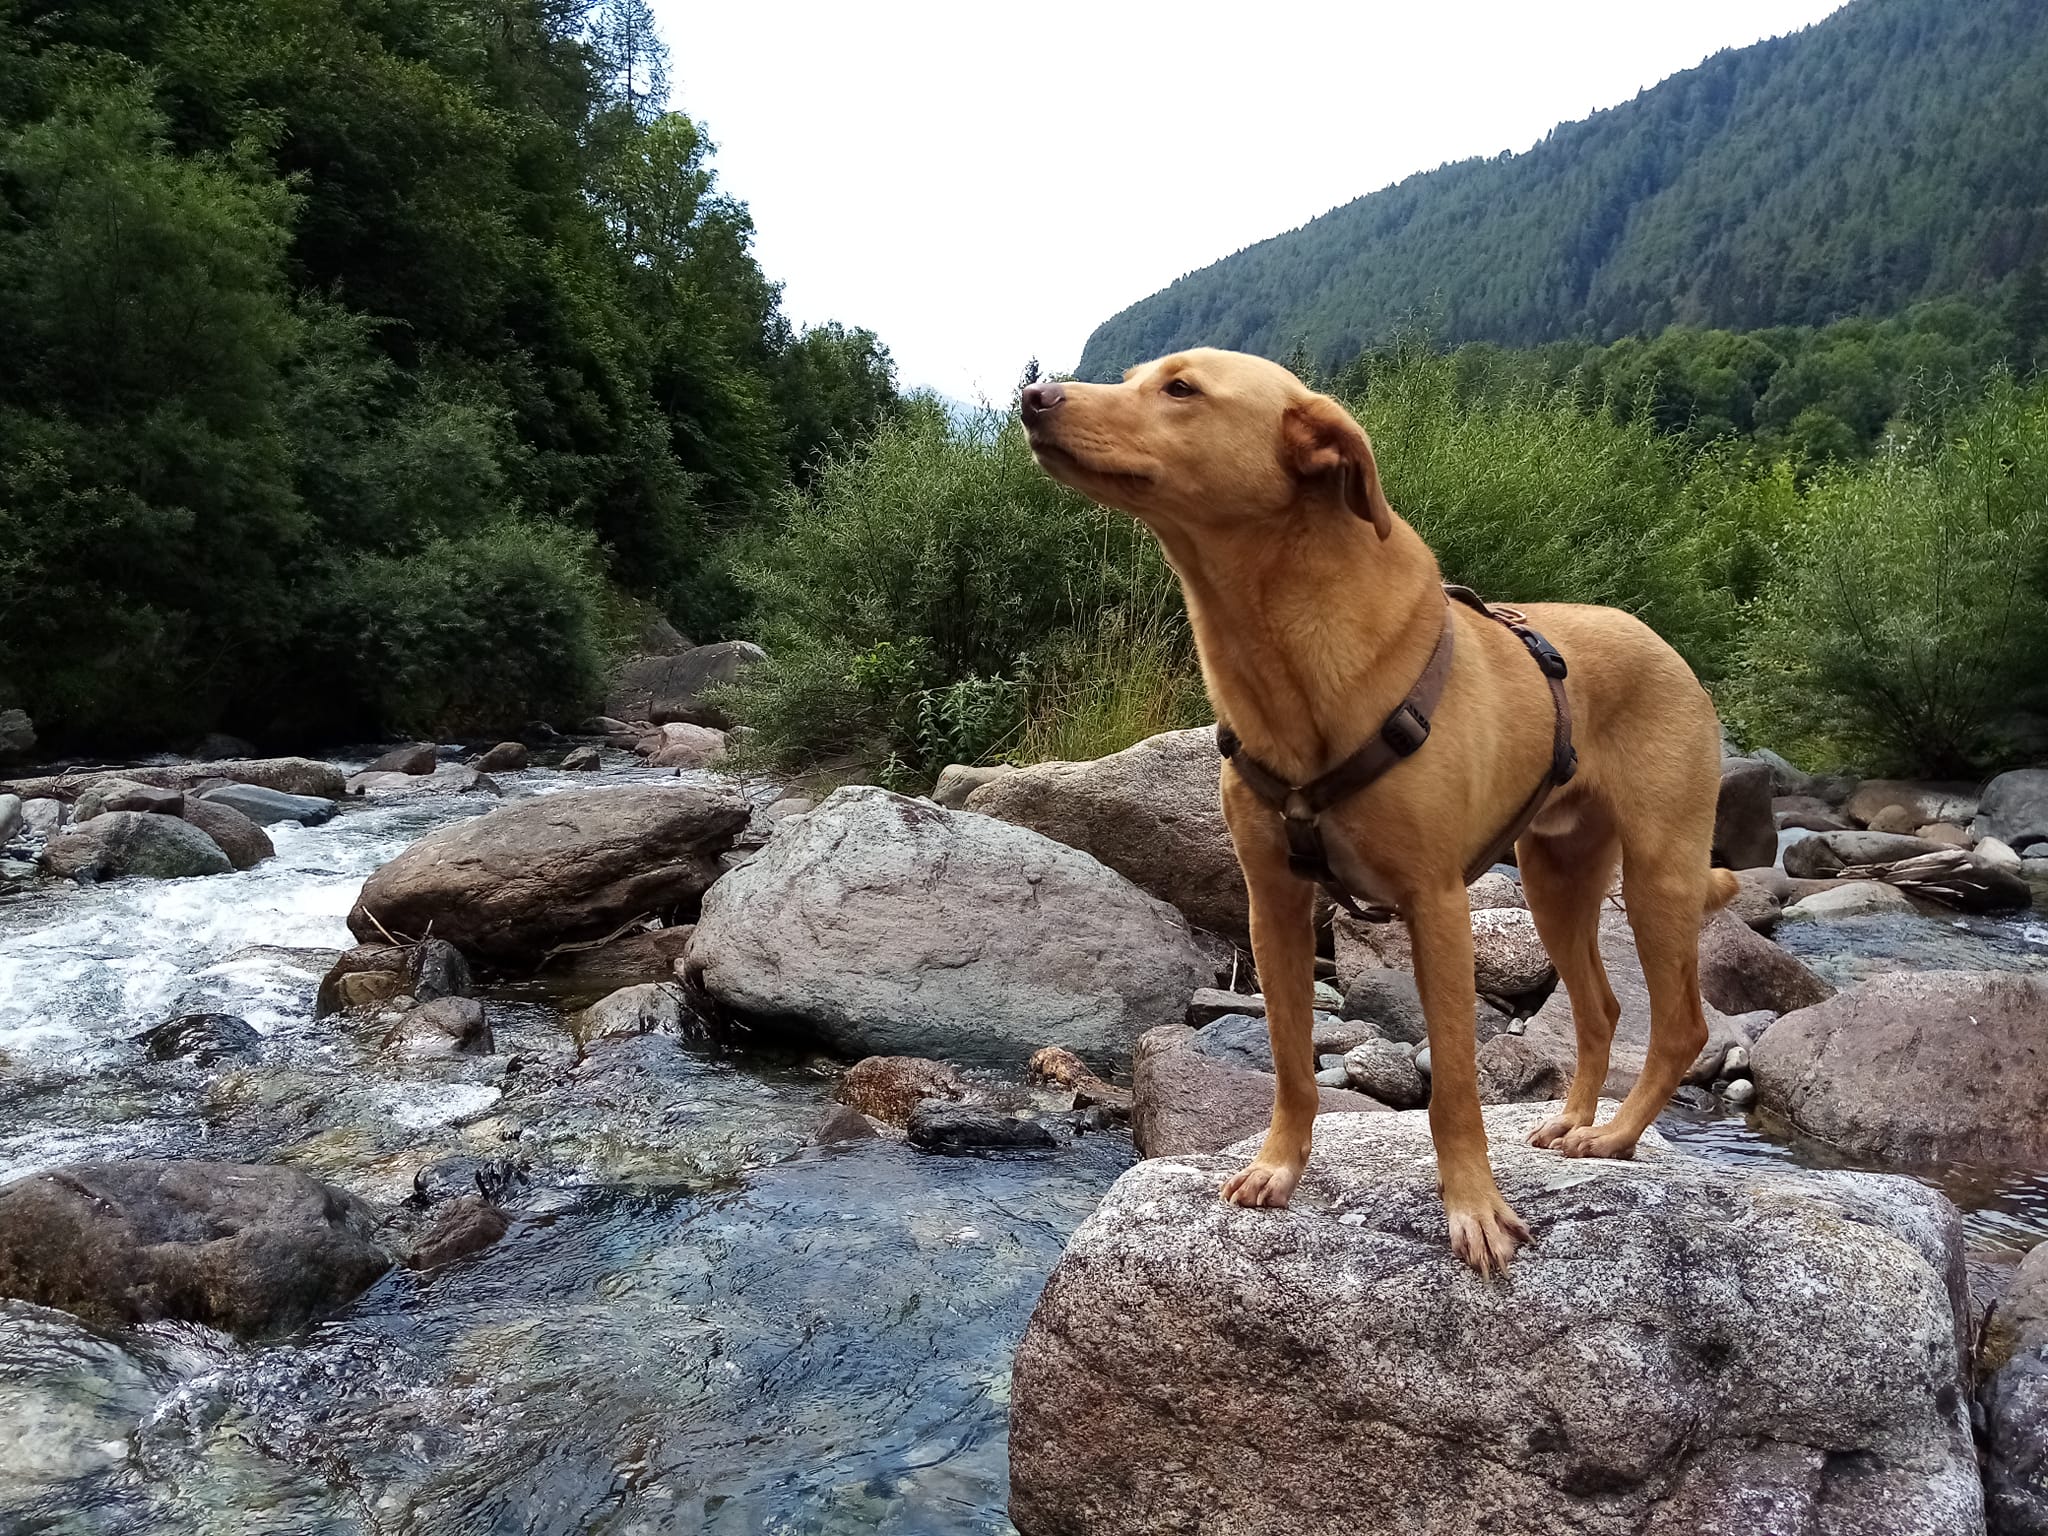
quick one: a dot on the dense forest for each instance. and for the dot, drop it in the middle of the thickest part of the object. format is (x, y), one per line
(372, 364)
(1894, 153)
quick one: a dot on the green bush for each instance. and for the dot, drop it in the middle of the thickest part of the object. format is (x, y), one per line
(1906, 626)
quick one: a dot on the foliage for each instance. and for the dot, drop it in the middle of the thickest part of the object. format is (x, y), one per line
(1893, 153)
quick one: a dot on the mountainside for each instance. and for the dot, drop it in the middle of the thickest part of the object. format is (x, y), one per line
(1894, 152)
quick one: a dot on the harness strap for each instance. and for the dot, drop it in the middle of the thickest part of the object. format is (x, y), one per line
(1399, 737)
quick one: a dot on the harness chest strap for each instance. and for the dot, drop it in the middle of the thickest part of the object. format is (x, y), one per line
(1400, 736)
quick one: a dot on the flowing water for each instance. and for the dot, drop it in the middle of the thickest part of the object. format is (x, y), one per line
(698, 1323)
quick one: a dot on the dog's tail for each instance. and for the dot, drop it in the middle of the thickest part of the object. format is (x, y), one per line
(1721, 888)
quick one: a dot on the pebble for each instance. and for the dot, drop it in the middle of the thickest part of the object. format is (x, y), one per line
(1334, 1077)
(1740, 1091)
(1736, 1062)
(1422, 1061)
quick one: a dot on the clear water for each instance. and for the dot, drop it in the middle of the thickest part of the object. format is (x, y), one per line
(699, 1323)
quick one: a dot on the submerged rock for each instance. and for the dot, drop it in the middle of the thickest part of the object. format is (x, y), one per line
(118, 845)
(1756, 1349)
(560, 868)
(944, 1127)
(249, 1249)
(889, 926)
(200, 1038)
(458, 1228)
(890, 1088)
(646, 1008)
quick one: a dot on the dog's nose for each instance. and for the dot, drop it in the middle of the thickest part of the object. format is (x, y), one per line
(1040, 399)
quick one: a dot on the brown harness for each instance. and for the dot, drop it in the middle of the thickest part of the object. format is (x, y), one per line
(1301, 806)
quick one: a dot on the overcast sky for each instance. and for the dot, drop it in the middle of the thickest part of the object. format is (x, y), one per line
(983, 183)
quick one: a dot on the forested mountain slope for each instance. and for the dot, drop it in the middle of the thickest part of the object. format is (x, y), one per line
(1896, 151)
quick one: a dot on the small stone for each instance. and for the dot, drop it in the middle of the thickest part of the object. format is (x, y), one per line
(1998, 855)
(1328, 997)
(1212, 1003)
(842, 1122)
(1422, 1061)
(1736, 1062)
(891, 1088)
(1334, 1077)
(462, 1226)
(943, 1127)
(1740, 1091)
(1494, 890)
(1057, 1064)
(1389, 1072)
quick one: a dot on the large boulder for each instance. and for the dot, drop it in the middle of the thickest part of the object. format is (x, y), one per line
(247, 1249)
(413, 757)
(267, 807)
(888, 926)
(1825, 855)
(665, 688)
(1687, 1347)
(1185, 1098)
(1918, 803)
(1741, 971)
(17, 735)
(1745, 830)
(1150, 812)
(288, 775)
(1538, 1063)
(507, 886)
(680, 745)
(117, 845)
(1917, 1067)
(245, 843)
(889, 1088)
(2015, 808)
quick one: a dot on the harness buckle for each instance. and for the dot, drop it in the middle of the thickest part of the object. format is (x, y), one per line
(1407, 728)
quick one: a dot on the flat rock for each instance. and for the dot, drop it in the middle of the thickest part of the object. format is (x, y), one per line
(1184, 1100)
(1917, 1067)
(253, 1250)
(266, 806)
(506, 886)
(1762, 1350)
(1852, 898)
(890, 926)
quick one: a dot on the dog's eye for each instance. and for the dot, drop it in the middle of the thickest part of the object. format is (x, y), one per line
(1181, 389)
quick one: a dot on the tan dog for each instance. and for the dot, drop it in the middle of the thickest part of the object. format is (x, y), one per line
(1315, 608)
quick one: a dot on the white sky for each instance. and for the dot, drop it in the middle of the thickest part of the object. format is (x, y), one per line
(982, 183)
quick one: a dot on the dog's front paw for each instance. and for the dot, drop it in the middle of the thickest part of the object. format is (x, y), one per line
(1598, 1141)
(1263, 1183)
(1487, 1234)
(1555, 1129)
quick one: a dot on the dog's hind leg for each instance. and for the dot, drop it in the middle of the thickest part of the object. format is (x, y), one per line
(1566, 880)
(1484, 1232)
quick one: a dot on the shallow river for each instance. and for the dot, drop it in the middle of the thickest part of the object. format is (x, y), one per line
(698, 1322)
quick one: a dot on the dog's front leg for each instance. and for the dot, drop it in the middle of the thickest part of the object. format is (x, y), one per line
(1284, 947)
(1484, 1232)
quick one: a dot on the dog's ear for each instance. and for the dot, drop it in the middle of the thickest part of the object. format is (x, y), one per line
(1321, 439)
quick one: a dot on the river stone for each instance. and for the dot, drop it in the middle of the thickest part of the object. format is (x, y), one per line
(646, 1008)
(506, 886)
(1507, 955)
(937, 1126)
(665, 688)
(1918, 803)
(890, 926)
(582, 760)
(1538, 1063)
(117, 845)
(10, 816)
(890, 1088)
(200, 1038)
(1388, 1000)
(505, 757)
(415, 757)
(1917, 1067)
(1827, 854)
(459, 1227)
(648, 955)
(1745, 831)
(1244, 1040)
(1854, 898)
(1057, 1066)
(1184, 1099)
(680, 745)
(1756, 1349)
(2015, 808)
(1151, 812)
(127, 795)
(1494, 890)
(252, 1250)
(1741, 971)
(446, 779)
(245, 843)
(430, 969)
(1386, 1070)
(959, 780)
(2014, 1397)
(448, 1026)
(266, 806)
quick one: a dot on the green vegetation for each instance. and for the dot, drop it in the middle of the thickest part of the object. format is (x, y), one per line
(1893, 153)
(368, 362)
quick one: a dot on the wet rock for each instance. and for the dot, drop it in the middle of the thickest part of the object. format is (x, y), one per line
(251, 1250)
(10, 816)
(415, 757)
(928, 932)
(1854, 898)
(942, 1127)
(266, 806)
(1826, 854)
(505, 757)
(1061, 1067)
(889, 1088)
(1184, 1100)
(376, 973)
(666, 688)
(200, 1038)
(1386, 1070)
(1539, 1062)
(687, 746)
(1916, 1067)
(562, 868)
(1776, 1351)
(648, 955)
(245, 843)
(1151, 813)
(448, 1026)
(119, 845)
(842, 1122)
(1915, 802)
(1745, 830)
(582, 760)
(2015, 808)
(17, 735)
(646, 1008)
(1508, 957)
(458, 1228)
(2014, 1399)
(1387, 999)
(958, 780)
(1741, 971)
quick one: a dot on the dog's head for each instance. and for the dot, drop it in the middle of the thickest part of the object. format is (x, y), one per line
(1204, 439)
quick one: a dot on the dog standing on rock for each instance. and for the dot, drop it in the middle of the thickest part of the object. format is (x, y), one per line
(1324, 629)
